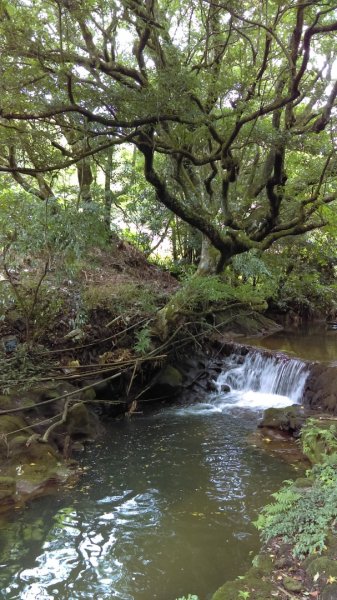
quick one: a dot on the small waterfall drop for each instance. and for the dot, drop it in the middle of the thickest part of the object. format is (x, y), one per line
(258, 381)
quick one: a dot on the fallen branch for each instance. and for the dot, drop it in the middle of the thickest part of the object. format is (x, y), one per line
(53, 426)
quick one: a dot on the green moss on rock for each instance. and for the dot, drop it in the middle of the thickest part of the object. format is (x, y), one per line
(324, 566)
(257, 588)
(7, 488)
(289, 418)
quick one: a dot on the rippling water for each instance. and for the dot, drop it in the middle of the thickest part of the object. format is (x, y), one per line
(165, 508)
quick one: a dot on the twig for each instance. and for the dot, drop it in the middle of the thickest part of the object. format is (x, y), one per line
(286, 593)
(113, 320)
(132, 378)
(50, 400)
(57, 423)
(95, 342)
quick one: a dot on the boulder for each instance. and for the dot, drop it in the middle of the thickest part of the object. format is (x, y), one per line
(167, 383)
(289, 418)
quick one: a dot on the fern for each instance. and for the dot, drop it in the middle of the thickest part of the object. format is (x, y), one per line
(302, 516)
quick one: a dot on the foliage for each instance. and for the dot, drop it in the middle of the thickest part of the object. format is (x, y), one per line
(231, 109)
(143, 343)
(40, 244)
(318, 442)
(121, 298)
(303, 276)
(302, 515)
(199, 292)
(189, 597)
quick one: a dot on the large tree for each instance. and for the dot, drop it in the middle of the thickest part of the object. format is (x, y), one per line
(232, 105)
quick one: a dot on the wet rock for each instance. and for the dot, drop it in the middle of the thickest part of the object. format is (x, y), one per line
(320, 392)
(225, 388)
(257, 588)
(81, 423)
(290, 418)
(167, 383)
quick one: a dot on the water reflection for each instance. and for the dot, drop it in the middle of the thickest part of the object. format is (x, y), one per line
(165, 509)
(310, 342)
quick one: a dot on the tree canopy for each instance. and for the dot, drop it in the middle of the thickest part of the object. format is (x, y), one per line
(231, 104)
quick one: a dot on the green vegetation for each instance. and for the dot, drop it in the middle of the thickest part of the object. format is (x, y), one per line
(303, 510)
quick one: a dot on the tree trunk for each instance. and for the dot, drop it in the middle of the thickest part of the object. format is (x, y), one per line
(208, 259)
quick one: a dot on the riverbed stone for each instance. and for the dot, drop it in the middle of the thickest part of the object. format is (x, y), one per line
(81, 423)
(289, 418)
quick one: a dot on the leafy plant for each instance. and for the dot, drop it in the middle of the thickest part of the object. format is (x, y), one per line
(317, 441)
(143, 341)
(302, 516)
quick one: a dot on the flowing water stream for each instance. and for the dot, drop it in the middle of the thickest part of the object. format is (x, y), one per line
(167, 502)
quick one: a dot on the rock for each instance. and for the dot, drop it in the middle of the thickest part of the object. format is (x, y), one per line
(290, 418)
(7, 488)
(167, 383)
(81, 423)
(231, 590)
(9, 343)
(292, 585)
(323, 566)
(225, 388)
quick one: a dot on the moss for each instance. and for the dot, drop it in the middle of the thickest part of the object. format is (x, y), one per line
(80, 422)
(257, 588)
(292, 585)
(170, 376)
(10, 423)
(303, 482)
(263, 564)
(319, 439)
(323, 566)
(7, 487)
(5, 402)
(290, 418)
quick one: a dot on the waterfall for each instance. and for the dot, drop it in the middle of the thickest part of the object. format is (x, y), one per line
(258, 381)
(253, 382)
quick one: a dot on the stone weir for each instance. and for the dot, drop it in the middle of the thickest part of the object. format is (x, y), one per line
(34, 460)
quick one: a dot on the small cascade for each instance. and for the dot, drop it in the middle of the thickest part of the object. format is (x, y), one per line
(258, 374)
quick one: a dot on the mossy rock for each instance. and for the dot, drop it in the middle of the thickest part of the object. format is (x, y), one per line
(11, 423)
(7, 488)
(263, 564)
(88, 395)
(303, 482)
(322, 565)
(292, 585)
(80, 422)
(257, 588)
(167, 383)
(289, 418)
(6, 402)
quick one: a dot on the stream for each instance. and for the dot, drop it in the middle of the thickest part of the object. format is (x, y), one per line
(166, 505)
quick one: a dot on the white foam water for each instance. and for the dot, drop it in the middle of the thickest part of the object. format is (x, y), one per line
(254, 382)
